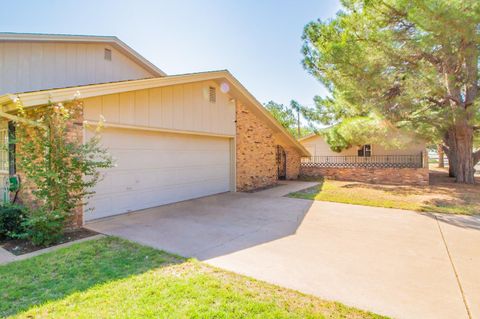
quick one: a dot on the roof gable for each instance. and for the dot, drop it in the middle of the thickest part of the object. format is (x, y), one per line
(69, 38)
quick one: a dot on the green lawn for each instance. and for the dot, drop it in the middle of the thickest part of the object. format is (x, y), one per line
(443, 195)
(113, 278)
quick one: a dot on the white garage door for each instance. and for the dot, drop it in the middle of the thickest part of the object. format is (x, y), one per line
(154, 168)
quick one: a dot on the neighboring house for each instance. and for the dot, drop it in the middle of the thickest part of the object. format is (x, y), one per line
(366, 163)
(173, 137)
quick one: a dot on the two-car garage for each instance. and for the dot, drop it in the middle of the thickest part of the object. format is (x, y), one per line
(174, 138)
(153, 168)
(169, 143)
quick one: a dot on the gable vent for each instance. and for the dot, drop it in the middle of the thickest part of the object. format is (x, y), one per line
(212, 94)
(108, 55)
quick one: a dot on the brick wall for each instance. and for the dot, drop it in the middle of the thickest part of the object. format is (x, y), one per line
(395, 176)
(256, 152)
(293, 162)
(255, 149)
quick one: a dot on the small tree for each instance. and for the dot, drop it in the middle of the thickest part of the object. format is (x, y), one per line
(289, 117)
(59, 167)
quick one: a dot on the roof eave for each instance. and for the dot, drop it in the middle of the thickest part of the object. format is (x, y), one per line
(307, 137)
(67, 94)
(30, 99)
(278, 126)
(141, 59)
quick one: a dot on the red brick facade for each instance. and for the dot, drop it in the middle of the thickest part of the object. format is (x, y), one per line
(256, 152)
(394, 176)
(293, 162)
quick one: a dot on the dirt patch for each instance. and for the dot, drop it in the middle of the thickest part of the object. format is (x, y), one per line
(442, 195)
(20, 246)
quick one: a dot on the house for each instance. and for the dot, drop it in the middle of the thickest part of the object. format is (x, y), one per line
(173, 137)
(373, 163)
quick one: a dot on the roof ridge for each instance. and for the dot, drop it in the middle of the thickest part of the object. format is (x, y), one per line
(56, 34)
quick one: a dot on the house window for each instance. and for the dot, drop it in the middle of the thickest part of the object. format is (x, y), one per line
(365, 150)
(7, 149)
(12, 166)
(4, 150)
(108, 55)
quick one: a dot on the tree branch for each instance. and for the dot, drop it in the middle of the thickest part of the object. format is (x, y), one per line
(457, 101)
(436, 102)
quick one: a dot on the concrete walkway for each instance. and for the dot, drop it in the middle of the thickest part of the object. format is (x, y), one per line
(393, 262)
(6, 256)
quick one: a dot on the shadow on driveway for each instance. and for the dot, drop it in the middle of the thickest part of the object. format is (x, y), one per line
(389, 261)
(213, 226)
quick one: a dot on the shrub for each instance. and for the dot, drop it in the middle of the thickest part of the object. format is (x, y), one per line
(44, 227)
(12, 218)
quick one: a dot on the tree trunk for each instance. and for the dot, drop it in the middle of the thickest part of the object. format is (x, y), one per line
(451, 167)
(450, 151)
(441, 160)
(460, 72)
(463, 164)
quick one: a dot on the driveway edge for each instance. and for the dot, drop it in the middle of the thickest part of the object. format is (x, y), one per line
(457, 278)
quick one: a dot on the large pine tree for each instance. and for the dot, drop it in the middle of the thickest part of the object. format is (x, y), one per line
(413, 64)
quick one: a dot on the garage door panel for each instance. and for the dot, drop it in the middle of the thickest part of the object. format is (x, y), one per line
(153, 197)
(115, 182)
(185, 191)
(155, 168)
(102, 203)
(138, 140)
(133, 159)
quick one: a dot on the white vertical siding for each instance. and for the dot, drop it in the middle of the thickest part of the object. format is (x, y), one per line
(183, 107)
(413, 148)
(31, 66)
(317, 146)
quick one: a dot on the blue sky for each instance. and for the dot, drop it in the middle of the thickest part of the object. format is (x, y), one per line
(258, 41)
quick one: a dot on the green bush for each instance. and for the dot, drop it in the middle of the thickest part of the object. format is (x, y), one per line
(44, 227)
(12, 218)
(59, 167)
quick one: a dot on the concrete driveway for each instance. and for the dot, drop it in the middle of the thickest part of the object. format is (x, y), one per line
(393, 262)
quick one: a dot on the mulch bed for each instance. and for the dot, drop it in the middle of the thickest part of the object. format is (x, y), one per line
(21, 246)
